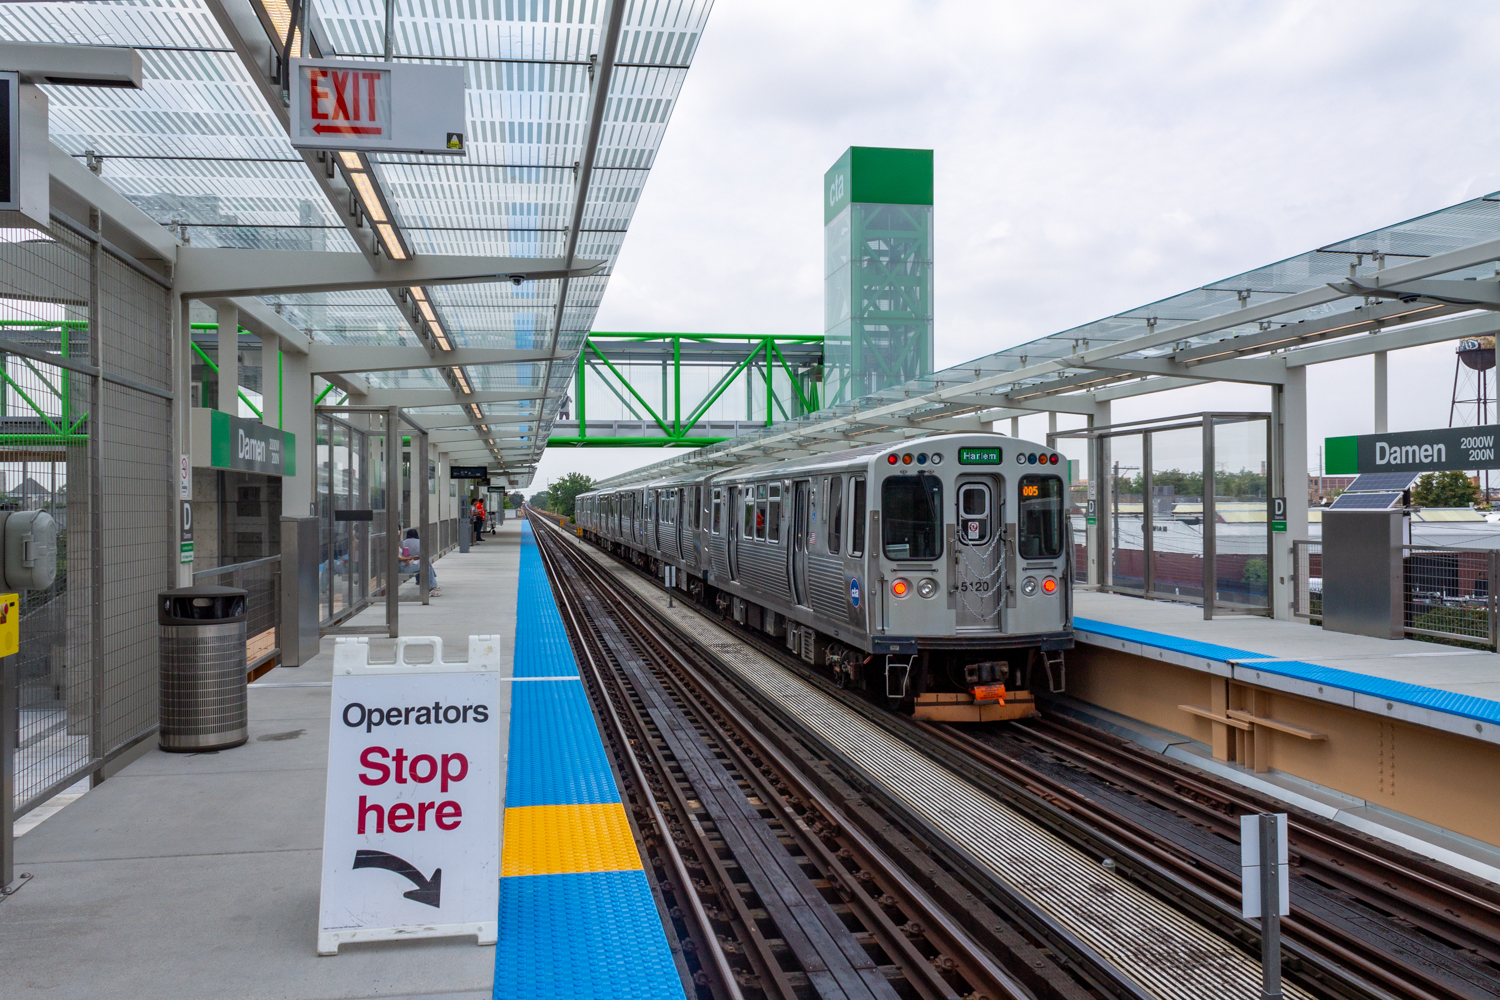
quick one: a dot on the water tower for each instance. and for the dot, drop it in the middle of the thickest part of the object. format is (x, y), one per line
(1472, 403)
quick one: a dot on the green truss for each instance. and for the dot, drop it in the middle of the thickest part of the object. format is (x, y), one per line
(676, 429)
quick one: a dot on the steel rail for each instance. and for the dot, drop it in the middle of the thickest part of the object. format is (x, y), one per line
(991, 976)
(1385, 883)
(925, 977)
(1300, 928)
(684, 879)
(974, 888)
(1457, 907)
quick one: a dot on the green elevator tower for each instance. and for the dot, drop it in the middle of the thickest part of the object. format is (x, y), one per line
(877, 292)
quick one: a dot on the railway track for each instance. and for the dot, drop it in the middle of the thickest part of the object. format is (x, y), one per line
(1079, 926)
(1405, 924)
(777, 879)
(1368, 919)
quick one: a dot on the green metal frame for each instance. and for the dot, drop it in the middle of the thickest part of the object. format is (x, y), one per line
(675, 431)
(888, 281)
(63, 434)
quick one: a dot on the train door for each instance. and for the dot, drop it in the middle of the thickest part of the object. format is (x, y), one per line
(979, 559)
(801, 526)
(732, 532)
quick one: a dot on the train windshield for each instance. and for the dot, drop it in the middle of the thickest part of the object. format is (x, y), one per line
(1040, 525)
(912, 511)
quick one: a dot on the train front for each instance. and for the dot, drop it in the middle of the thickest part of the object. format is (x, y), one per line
(975, 574)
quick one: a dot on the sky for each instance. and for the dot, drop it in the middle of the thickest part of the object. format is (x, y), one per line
(1089, 158)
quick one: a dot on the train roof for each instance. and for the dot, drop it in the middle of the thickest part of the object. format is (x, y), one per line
(741, 473)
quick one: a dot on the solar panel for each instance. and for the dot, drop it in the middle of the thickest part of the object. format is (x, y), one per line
(1371, 481)
(1366, 501)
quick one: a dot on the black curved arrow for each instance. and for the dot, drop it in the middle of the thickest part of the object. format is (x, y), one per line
(427, 890)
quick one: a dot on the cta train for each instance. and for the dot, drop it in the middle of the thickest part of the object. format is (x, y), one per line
(935, 573)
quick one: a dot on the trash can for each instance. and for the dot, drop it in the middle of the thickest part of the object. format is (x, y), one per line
(203, 678)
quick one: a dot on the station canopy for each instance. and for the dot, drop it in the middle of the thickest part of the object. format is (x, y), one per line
(200, 149)
(1428, 280)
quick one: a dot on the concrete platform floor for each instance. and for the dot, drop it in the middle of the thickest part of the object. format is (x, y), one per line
(196, 877)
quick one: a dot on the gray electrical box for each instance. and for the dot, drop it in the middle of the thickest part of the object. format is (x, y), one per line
(1363, 582)
(30, 546)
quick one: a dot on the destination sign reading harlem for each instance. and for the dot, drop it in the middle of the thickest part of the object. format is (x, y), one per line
(1439, 450)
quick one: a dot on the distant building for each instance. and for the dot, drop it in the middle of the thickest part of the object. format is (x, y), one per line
(1322, 490)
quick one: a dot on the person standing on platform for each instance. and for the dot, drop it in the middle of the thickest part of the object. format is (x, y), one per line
(478, 520)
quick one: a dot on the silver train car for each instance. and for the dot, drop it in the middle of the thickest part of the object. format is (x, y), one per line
(935, 573)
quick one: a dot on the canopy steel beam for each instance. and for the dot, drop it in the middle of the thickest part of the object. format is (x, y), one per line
(219, 271)
(1474, 294)
(411, 399)
(325, 358)
(73, 65)
(1410, 336)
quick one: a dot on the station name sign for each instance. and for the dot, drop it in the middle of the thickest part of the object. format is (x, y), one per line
(1443, 449)
(385, 107)
(222, 441)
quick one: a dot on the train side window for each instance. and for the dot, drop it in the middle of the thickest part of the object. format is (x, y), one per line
(773, 516)
(749, 492)
(760, 512)
(718, 513)
(857, 516)
(835, 514)
(697, 507)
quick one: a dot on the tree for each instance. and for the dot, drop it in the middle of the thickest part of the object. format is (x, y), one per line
(1444, 489)
(562, 492)
(541, 501)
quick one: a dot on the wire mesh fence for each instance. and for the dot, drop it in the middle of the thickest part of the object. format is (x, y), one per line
(1449, 594)
(96, 454)
(1307, 579)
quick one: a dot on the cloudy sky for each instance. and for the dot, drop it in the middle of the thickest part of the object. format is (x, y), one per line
(1090, 157)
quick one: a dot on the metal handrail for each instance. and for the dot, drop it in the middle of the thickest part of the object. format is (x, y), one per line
(237, 566)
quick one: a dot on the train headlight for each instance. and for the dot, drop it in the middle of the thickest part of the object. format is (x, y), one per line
(1028, 586)
(900, 587)
(1049, 585)
(927, 587)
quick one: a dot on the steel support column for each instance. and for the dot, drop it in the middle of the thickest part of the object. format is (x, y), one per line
(1289, 478)
(1382, 398)
(229, 358)
(393, 521)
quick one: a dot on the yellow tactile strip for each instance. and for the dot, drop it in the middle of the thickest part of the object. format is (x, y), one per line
(554, 840)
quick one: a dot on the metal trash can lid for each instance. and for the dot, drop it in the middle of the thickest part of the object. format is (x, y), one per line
(195, 605)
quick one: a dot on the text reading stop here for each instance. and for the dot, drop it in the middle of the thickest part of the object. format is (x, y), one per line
(380, 766)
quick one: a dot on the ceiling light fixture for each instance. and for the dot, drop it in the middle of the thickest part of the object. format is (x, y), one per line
(366, 188)
(392, 243)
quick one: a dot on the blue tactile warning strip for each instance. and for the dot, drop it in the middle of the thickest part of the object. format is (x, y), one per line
(577, 918)
(1191, 647)
(1449, 702)
(542, 648)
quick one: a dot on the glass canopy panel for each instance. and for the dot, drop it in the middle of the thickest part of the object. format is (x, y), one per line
(198, 146)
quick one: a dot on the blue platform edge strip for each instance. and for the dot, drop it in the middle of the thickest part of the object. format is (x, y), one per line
(581, 935)
(542, 648)
(590, 935)
(1450, 702)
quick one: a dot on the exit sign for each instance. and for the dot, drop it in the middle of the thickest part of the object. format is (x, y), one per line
(377, 107)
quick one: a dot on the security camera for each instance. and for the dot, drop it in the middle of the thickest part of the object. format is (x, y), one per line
(516, 279)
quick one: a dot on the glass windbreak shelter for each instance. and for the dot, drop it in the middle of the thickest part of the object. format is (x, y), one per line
(1179, 509)
(359, 520)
